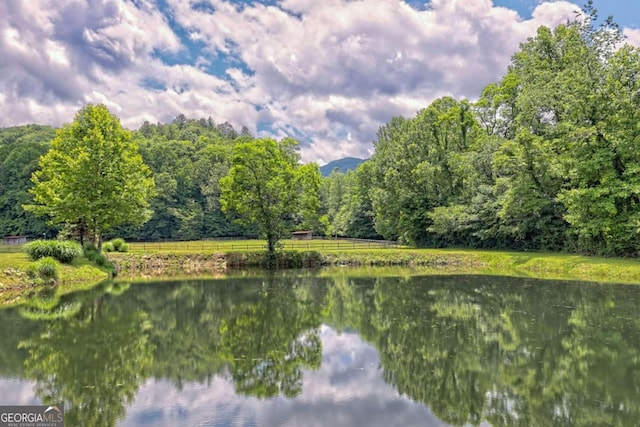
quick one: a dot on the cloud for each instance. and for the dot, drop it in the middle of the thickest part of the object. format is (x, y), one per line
(328, 73)
(633, 36)
(337, 68)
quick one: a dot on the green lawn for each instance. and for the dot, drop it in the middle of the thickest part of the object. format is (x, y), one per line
(14, 283)
(529, 264)
(251, 245)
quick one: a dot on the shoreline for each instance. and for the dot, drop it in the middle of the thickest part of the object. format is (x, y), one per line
(427, 261)
(141, 265)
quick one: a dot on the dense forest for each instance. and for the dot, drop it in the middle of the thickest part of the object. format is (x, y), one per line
(547, 158)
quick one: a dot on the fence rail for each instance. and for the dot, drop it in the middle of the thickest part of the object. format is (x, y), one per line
(260, 246)
(10, 248)
(239, 244)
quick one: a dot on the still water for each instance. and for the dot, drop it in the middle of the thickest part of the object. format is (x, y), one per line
(287, 350)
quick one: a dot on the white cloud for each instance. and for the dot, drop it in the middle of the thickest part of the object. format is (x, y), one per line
(322, 71)
(633, 36)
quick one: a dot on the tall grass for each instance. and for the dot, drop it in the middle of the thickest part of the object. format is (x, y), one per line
(62, 250)
(45, 270)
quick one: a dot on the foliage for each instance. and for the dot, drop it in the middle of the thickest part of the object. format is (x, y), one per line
(347, 204)
(93, 175)
(267, 188)
(115, 245)
(545, 160)
(420, 164)
(45, 269)
(187, 157)
(20, 148)
(96, 256)
(62, 250)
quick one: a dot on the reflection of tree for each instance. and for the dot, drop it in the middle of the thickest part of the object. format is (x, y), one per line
(270, 342)
(507, 351)
(511, 352)
(602, 343)
(94, 362)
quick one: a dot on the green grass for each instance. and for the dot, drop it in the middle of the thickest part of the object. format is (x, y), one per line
(210, 246)
(15, 285)
(371, 257)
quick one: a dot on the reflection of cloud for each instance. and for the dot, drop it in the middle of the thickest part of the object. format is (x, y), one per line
(347, 390)
(17, 392)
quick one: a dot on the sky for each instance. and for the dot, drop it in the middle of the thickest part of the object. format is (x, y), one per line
(327, 72)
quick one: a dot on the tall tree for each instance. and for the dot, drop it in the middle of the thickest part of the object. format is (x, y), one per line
(93, 175)
(267, 187)
(417, 166)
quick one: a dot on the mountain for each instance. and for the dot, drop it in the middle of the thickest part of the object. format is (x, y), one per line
(346, 164)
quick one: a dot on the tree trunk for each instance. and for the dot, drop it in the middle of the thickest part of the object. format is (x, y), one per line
(271, 244)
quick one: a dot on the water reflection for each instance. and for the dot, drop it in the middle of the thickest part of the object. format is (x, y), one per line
(287, 350)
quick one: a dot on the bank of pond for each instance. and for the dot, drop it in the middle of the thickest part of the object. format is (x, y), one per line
(375, 347)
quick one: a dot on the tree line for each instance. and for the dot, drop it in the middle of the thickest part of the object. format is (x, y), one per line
(546, 159)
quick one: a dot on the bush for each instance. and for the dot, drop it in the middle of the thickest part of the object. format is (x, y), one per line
(89, 251)
(62, 250)
(47, 268)
(44, 270)
(117, 244)
(92, 254)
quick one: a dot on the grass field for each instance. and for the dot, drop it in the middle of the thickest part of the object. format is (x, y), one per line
(14, 284)
(372, 253)
(257, 245)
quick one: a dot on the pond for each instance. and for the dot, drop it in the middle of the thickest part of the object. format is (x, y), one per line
(306, 350)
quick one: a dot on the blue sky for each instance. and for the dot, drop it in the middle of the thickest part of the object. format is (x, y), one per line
(328, 73)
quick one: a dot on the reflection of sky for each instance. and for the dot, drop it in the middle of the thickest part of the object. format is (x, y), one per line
(347, 390)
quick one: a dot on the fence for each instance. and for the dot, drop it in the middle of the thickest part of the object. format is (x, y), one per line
(248, 245)
(259, 245)
(10, 248)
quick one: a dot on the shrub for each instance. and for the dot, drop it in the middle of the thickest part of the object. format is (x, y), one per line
(47, 268)
(93, 255)
(117, 244)
(44, 270)
(89, 251)
(62, 250)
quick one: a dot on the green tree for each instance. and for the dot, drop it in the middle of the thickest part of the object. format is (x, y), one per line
(93, 175)
(417, 166)
(267, 187)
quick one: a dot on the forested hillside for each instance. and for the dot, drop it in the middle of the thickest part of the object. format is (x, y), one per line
(548, 158)
(343, 165)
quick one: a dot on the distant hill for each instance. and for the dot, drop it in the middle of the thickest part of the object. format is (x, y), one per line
(346, 164)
